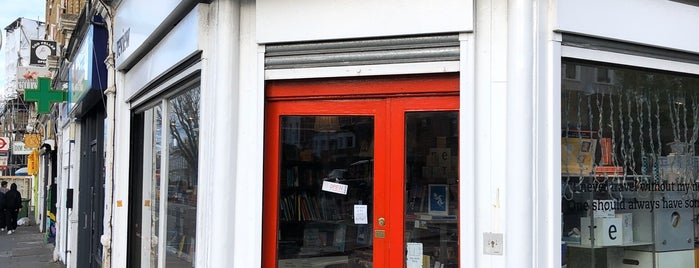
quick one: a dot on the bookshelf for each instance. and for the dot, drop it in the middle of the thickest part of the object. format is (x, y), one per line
(318, 225)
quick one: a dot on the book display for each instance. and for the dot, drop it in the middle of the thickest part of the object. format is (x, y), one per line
(431, 205)
(629, 170)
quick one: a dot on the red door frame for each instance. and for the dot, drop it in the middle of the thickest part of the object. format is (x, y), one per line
(381, 97)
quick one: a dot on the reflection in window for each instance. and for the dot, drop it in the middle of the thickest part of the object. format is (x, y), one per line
(183, 147)
(570, 71)
(155, 186)
(629, 167)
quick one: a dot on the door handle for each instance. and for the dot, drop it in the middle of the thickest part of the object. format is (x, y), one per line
(85, 224)
(382, 222)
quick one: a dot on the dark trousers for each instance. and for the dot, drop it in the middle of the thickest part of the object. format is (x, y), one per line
(3, 218)
(11, 216)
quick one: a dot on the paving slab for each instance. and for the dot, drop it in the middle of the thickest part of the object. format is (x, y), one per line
(26, 247)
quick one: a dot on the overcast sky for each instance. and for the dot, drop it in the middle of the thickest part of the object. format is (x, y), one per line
(10, 10)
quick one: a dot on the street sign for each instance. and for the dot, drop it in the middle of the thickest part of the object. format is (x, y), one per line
(4, 144)
(3, 160)
(18, 148)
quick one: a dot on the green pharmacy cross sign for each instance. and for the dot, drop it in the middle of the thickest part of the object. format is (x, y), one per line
(44, 96)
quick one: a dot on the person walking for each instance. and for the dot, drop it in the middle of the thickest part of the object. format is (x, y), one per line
(3, 213)
(13, 204)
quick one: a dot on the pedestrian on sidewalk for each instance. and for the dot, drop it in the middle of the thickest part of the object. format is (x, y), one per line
(3, 212)
(13, 204)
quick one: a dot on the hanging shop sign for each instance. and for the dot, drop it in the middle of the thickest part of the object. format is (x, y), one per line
(40, 51)
(27, 76)
(44, 96)
(33, 162)
(32, 141)
(88, 72)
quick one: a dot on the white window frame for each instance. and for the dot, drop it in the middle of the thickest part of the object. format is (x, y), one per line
(629, 60)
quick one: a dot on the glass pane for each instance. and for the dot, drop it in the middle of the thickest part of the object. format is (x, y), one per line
(629, 167)
(326, 177)
(432, 189)
(155, 186)
(183, 150)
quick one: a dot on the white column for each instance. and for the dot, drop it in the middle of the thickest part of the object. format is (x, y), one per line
(546, 139)
(490, 80)
(519, 231)
(230, 173)
(250, 143)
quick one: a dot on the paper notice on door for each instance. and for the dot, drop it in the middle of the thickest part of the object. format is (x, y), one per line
(414, 257)
(360, 214)
(334, 187)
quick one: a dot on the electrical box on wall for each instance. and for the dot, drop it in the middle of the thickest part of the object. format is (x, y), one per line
(492, 243)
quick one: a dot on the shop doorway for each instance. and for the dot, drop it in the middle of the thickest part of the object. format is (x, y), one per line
(91, 193)
(362, 173)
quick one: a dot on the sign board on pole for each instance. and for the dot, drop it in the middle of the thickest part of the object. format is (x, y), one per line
(3, 160)
(4, 144)
(19, 149)
(40, 51)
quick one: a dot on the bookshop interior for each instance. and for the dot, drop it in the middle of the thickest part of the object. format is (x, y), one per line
(629, 166)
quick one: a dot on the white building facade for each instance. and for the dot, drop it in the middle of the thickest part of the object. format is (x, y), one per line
(382, 133)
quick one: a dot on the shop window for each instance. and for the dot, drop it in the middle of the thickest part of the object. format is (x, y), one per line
(183, 154)
(629, 167)
(167, 224)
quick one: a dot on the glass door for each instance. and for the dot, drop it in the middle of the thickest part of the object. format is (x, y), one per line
(424, 150)
(333, 174)
(322, 184)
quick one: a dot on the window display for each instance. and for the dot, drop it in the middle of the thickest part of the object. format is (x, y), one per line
(629, 166)
(432, 190)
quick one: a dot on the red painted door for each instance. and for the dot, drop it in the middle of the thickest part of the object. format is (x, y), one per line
(345, 164)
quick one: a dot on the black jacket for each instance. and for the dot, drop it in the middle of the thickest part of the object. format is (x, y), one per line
(13, 199)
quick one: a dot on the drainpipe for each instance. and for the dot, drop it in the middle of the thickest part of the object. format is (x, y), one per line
(110, 92)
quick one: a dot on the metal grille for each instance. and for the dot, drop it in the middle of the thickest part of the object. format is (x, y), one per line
(363, 52)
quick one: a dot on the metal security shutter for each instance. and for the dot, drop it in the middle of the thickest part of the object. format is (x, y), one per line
(363, 52)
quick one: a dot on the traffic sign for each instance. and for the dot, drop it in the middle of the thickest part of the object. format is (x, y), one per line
(4, 144)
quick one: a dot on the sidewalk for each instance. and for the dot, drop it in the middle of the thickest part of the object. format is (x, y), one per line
(26, 248)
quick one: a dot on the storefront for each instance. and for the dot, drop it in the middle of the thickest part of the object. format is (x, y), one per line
(86, 80)
(334, 164)
(158, 111)
(453, 140)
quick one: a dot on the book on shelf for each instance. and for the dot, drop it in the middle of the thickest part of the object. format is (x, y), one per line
(609, 170)
(578, 151)
(302, 207)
